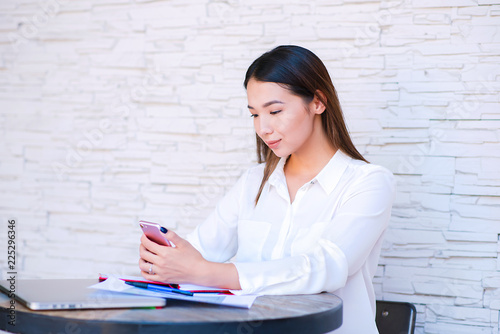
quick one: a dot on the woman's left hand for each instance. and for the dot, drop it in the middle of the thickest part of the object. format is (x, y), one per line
(179, 264)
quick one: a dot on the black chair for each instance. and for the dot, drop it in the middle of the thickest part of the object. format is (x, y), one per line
(395, 317)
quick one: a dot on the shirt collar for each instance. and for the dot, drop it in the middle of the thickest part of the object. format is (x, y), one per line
(328, 177)
(278, 175)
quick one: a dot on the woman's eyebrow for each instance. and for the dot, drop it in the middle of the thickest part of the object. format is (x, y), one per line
(267, 104)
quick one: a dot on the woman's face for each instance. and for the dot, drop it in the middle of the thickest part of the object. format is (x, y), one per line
(281, 119)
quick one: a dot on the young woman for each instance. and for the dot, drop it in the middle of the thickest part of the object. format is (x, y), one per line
(309, 218)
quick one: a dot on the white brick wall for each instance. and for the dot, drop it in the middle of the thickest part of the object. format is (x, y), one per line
(115, 111)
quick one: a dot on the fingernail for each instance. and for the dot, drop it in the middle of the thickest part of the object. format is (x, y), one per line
(163, 230)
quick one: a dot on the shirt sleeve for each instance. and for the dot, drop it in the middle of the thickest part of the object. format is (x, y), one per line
(216, 238)
(353, 232)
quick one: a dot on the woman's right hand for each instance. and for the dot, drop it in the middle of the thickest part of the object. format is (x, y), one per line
(183, 264)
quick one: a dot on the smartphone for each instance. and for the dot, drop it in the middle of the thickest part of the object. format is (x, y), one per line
(155, 232)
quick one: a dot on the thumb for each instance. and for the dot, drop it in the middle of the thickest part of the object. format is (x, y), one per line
(172, 236)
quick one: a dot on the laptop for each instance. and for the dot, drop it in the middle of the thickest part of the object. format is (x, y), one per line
(64, 294)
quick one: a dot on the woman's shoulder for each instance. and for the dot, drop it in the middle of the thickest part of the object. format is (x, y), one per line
(251, 174)
(363, 166)
(362, 170)
(255, 171)
(361, 177)
(249, 181)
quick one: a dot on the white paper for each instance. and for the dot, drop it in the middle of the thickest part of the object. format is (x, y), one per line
(193, 287)
(118, 285)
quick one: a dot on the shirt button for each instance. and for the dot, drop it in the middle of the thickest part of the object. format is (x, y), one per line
(312, 182)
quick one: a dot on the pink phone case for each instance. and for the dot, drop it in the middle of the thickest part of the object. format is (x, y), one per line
(153, 232)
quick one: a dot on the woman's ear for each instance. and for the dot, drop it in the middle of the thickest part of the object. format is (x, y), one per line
(318, 104)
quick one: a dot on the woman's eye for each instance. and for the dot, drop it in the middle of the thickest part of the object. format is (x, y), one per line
(253, 115)
(275, 112)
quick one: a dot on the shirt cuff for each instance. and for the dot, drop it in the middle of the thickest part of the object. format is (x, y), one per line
(272, 277)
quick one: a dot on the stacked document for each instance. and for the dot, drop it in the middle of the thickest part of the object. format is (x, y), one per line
(139, 286)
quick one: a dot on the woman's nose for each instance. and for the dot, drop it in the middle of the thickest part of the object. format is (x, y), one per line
(264, 126)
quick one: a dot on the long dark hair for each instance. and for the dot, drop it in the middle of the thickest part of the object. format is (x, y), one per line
(303, 73)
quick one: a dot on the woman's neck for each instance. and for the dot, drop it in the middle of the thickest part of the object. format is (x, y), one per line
(311, 158)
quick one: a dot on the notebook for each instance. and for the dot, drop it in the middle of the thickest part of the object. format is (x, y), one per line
(60, 294)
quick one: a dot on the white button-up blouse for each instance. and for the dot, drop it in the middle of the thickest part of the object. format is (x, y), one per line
(328, 239)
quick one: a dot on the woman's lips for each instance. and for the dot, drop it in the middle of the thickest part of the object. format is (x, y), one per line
(273, 143)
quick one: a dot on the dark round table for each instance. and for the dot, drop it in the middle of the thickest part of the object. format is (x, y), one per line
(318, 313)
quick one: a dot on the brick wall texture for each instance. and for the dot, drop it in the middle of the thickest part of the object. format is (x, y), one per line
(114, 111)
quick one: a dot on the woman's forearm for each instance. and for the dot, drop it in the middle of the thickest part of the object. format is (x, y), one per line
(220, 275)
